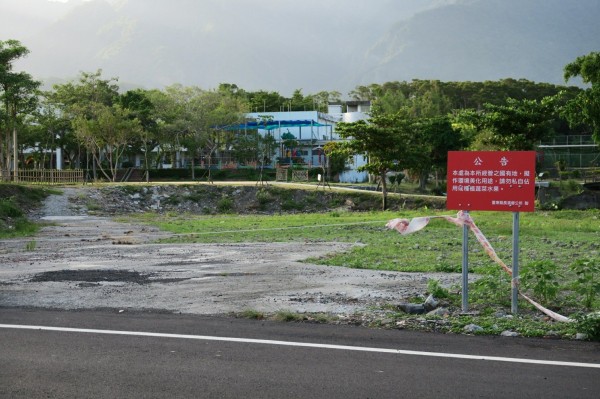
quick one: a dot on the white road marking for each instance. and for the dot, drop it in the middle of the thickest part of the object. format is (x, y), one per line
(304, 345)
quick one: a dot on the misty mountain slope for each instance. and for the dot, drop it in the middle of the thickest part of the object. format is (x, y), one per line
(487, 40)
(20, 19)
(310, 45)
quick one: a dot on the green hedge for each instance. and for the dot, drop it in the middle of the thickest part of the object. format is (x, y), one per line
(216, 174)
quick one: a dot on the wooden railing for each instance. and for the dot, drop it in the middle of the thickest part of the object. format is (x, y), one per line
(50, 176)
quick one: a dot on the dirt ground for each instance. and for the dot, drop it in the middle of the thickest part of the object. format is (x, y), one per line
(81, 261)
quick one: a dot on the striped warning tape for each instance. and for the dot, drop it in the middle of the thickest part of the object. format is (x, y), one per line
(405, 226)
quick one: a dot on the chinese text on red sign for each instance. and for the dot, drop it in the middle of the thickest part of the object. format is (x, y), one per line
(491, 180)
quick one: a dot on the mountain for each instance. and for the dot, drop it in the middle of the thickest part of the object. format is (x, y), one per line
(487, 40)
(311, 45)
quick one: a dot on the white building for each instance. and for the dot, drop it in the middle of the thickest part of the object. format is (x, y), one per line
(311, 130)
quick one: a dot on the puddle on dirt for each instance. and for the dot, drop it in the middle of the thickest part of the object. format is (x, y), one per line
(92, 278)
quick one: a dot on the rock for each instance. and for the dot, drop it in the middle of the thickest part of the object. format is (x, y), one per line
(472, 328)
(581, 336)
(443, 312)
(508, 333)
(401, 324)
(470, 313)
(500, 314)
(387, 322)
(430, 303)
(411, 308)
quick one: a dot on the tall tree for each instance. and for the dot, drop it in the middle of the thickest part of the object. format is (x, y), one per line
(86, 100)
(107, 135)
(18, 93)
(385, 140)
(216, 112)
(140, 107)
(585, 108)
(439, 137)
(423, 110)
(518, 125)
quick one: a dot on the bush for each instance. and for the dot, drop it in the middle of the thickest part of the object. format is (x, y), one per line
(542, 278)
(225, 205)
(434, 288)
(587, 283)
(590, 325)
(491, 288)
(9, 209)
(263, 197)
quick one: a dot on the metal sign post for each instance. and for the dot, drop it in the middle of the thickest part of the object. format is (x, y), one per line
(465, 269)
(515, 264)
(491, 181)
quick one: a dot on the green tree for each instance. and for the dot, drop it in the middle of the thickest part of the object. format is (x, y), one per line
(321, 100)
(140, 107)
(584, 109)
(86, 100)
(264, 101)
(217, 111)
(166, 112)
(518, 125)
(107, 135)
(196, 119)
(18, 94)
(55, 131)
(433, 138)
(385, 140)
(424, 111)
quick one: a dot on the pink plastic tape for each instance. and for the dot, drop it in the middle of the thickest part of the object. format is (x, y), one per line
(405, 226)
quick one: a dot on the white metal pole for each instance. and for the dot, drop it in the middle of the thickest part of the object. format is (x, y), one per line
(515, 264)
(465, 268)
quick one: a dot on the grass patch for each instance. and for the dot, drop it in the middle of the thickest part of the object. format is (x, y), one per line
(93, 205)
(15, 201)
(438, 249)
(287, 316)
(30, 246)
(252, 314)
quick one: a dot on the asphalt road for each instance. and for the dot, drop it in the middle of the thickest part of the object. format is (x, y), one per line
(189, 356)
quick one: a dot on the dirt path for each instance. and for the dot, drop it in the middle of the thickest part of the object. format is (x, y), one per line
(81, 262)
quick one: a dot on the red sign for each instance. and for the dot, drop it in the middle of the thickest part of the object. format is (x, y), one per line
(491, 181)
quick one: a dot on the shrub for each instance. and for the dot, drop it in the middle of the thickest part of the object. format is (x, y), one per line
(434, 288)
(542, 278)
(8, 208)
(263, 197)
(587, 283)
(491, 288)
(590, 325)
(225, 205)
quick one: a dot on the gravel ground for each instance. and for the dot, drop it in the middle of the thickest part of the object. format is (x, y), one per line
(80, 261)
